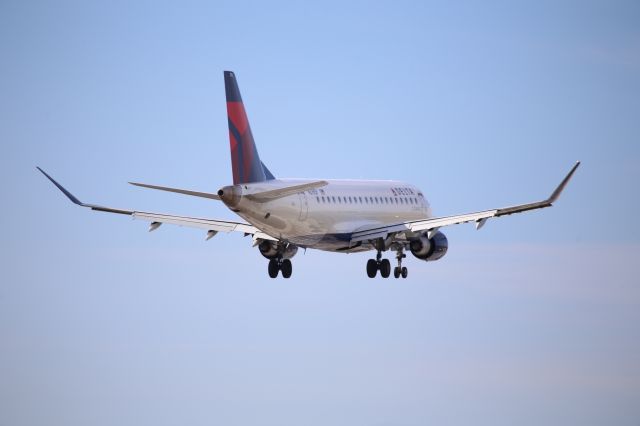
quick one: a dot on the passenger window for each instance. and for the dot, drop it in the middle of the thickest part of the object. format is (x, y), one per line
(323, 199)
(333, 198)
(318, 199)
(360, 200)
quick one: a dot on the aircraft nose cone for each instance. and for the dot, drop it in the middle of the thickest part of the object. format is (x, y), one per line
(230, 195)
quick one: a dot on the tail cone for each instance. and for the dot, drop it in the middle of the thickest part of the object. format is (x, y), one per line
(230, 195)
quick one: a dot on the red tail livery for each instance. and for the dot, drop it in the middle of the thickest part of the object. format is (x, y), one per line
(245, 160)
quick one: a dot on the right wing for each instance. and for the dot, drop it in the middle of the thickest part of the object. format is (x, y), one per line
(433, 224)
(212, 226)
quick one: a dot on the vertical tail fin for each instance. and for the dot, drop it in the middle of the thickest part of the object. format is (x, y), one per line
(245, 160)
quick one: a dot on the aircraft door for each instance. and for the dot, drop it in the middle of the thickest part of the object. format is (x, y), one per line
(304, 206)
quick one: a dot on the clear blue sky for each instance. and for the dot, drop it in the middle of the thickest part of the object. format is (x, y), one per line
(533, 320)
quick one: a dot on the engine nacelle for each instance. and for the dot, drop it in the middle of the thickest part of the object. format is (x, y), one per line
(273, 249)
(429, 249)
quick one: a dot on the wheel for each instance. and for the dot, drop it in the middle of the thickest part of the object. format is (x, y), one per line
(385, 268)
(287, 268)
(273, 268)
(405, 272)
(396, 272)
(372, 268)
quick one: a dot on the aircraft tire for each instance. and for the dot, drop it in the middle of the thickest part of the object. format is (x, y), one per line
(287, 268)
(396, 272)
(372, 268)
(273, 268)
(385, 268)
(405, 272)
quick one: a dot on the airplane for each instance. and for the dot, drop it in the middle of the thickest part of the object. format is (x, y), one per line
(342, 216)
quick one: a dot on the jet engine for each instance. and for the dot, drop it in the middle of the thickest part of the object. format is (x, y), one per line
(273, 249)
(429, 249)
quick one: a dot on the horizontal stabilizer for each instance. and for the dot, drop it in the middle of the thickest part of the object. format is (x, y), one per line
(274, 194)
(178, 190)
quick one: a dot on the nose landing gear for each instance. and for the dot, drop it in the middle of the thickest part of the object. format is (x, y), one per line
(400, 270)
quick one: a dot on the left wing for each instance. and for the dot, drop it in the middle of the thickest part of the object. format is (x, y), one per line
(432, 225)
(212, 226)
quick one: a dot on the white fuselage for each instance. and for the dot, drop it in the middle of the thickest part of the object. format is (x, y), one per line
(325, 218)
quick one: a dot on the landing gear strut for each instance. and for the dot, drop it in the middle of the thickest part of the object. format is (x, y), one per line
(400, 270)
(277, 265)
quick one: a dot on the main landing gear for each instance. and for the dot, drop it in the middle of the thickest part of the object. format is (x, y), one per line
(277, 265)
(384, 266)
(373, 266)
